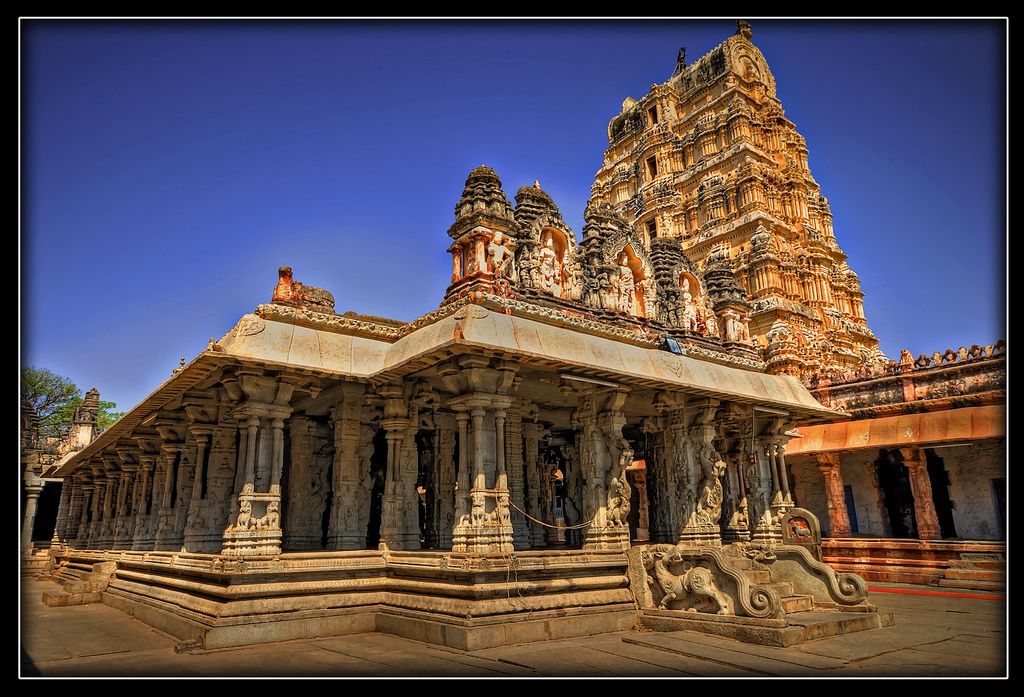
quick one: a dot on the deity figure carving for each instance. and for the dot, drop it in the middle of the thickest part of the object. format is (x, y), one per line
(689, 308)
(619, 492)
(627, 287)
(607, 290)
(550, 268)
(710, 323)
(709, 507)
(499, 255)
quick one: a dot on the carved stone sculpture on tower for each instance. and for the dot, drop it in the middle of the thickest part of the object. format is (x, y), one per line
(499, 256)
(550, 268)
(627, 287)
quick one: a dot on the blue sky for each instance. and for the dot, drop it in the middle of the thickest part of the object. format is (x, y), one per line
(169, 168)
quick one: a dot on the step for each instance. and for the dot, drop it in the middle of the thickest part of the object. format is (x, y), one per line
(741, 563)
(62, 599)
(972, 585)
(975, 575)
(818, 625)
(797, 603)
(84, 586)
(982, 556)
(992, 564)
(782, 588)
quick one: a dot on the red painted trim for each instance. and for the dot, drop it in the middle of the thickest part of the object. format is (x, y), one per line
(940, 594)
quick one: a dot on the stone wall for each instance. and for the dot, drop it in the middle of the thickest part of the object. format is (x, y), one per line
(858, 470)
(809, 489)
(971, 471)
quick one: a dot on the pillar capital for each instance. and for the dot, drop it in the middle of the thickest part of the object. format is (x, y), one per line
(913, 458)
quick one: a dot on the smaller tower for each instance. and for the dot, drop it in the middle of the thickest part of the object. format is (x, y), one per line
(485, 235)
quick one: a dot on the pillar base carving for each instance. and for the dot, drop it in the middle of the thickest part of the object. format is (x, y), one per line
(767, 535)
(251, 543)
(701, 536)
(485, 531)
(257, 528)
(612, 537)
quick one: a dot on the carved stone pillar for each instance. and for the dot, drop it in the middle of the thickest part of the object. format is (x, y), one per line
(144, 502)
(661, 480)
(838, 519)
(513, 465)
(61, 528)
(398, 505)
(765, 526)
(196, 517)
(604, 456)
(170, 455)
(487, 526)
(256, 530)
(462, 493)
(921, 487)
(780, 454)
(700, 528)
(307, 487)
(535, 480)
(107, 510)
(639, 481)
(350, 503)
(122, 519)
(32, 493)
(444, 500)
(183, 488)
(73, 516)
(88, 496)
(737, 526)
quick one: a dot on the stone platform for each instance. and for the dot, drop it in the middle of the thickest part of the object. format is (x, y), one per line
(461, 601)
(976, 565)
(468, 601)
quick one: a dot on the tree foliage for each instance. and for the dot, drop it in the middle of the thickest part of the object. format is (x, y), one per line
(55, 399)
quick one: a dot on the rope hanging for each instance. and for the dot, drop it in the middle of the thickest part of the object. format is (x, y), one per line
(548, 525)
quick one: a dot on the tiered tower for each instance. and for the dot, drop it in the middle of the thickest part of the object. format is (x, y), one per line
(709, 159)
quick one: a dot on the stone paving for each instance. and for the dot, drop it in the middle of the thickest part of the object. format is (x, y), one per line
(934, 636)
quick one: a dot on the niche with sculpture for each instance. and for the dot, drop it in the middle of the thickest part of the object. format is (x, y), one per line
(632, 285)
(553, 263)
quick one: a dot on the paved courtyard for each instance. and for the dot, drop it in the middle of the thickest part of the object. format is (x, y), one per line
(935, 635)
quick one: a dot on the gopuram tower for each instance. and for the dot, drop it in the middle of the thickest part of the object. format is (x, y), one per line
(708, 159)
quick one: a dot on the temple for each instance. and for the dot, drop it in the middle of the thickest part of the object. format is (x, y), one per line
(586, 435)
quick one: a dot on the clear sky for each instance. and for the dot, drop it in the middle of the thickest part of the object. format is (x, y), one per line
(169, 168)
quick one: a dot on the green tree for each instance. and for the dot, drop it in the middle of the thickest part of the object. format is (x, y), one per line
(55, 399)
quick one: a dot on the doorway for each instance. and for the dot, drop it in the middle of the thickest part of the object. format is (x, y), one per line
(894, 481)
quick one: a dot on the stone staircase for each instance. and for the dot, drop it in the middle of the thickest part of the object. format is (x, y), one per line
(82, 583)
(975, 571)
(791, 601)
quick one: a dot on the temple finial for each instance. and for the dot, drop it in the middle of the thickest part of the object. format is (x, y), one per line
(743, 29)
